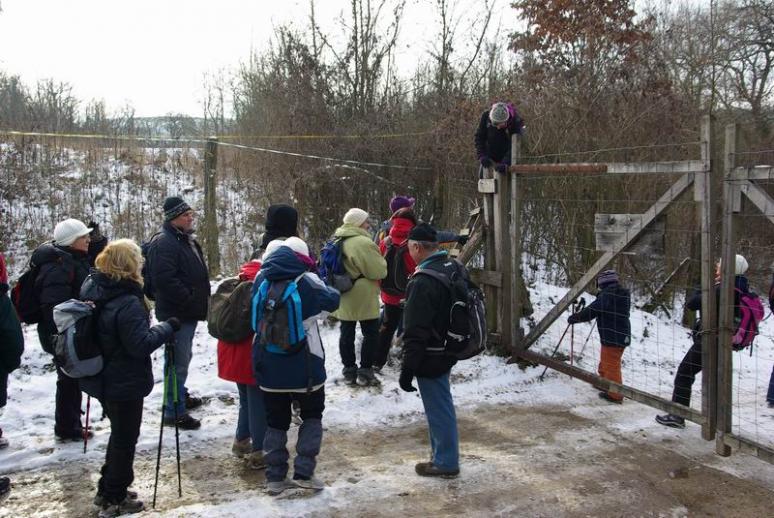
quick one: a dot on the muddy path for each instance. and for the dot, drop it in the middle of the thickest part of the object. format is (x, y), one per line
(515, 462)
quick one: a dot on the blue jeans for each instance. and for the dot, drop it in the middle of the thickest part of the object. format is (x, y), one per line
(252, 415)
(770, 395)
(183, 354)
(441, 421)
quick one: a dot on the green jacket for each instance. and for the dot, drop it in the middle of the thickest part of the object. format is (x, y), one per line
(363, 262)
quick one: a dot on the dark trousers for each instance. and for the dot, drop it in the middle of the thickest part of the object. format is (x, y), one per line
(67, 416)
(118, 472)
(686, 374)
(3, 390)
(370, 330)
(391, 317)
(770, 394)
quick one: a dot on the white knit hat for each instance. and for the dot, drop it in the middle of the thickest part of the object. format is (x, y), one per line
(741, 265)
(272, 247)
(297, 245)
(355, 217)
(67, 231)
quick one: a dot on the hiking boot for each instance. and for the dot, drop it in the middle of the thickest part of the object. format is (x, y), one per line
(192, 402)
(3, 443)
(73, 436)
(274, 488)
(242, 448)
(377, 369)
(607, 397)
(309, 483)
(5, 486)
(428, 469)
(350, 375)
(673, 421)
(366, 378)
(255, 460)
(126, 506)
(100, 500)
(184, 422)
(771, 404)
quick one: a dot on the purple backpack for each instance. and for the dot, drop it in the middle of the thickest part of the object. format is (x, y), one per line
(750, 315)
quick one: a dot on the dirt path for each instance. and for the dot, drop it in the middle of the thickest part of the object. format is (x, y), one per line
(515, 462)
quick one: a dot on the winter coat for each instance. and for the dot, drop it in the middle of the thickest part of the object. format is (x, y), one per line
(366, 266)
(496, 143)
(694, 302)
(179, 276)
(399, 232)
(426, 319)
(611, 309)
(62, 272)
(235, 358)
(275, 369)
(126, 338)
(11, 336)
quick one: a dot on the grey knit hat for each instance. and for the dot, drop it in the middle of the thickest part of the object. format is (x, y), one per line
(607, 277)
(499, 113)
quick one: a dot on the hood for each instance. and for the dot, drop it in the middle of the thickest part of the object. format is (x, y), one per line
(282, 264)
(348, 230)
(100, 288)
(47, 253)
(249, 270)
(400, 229)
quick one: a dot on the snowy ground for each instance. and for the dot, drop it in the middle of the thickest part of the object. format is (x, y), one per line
(531, 448)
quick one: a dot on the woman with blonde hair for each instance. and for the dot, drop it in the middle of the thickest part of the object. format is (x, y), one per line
(127, 341)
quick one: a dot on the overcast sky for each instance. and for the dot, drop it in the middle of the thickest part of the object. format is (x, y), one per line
(153, 53)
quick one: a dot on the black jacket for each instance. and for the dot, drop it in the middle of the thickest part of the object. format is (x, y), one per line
(11, 336)
(496, 143)
(178, 275)
(426, 319)
(694, 302)
(611, 309)
(126, 339)
(62, 271)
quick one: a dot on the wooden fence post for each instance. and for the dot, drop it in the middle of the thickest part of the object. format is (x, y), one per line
(490, 263)
(212, 248)
(503, 258)
(517, 304)
(726, 317)
(709, 338)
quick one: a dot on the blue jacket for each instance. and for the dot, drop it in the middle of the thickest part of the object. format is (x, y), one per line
(611, 309)
(126, 338)
(277, 370)
(178, 275)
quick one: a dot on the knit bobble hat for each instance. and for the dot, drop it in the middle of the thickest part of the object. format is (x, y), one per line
(607, 277)
(173, 207)
(741, 265)
(67, 231)
(499, 113)
(355, 217)
(272, 247)
(297, 245)
(400, 202)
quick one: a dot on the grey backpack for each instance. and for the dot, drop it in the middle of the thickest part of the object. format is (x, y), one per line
(76, 349)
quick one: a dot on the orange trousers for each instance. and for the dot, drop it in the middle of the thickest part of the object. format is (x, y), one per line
(610, 367)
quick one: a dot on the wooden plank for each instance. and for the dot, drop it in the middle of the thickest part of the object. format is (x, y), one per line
(503, 256)
(607, 385)
(750, 447)
(487, 186)
(517, 304)
(677, 167)
(486, 277)
(569, 168)
(475, 241)
(490, 292)
(709, 313)
(759, 198)
(726, 312)
(609, 228)
(758, 172)
(674, 191)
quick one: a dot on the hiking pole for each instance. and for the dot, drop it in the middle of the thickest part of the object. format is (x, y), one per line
(177, 428)
(161, 428)
(86, 428)
(575, 305)
(576, 308)
(591, 331)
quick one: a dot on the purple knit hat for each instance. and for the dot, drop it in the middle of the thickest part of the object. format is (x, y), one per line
(607, 277)
(399, 202)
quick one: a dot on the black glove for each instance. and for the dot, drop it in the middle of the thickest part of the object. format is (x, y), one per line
(501, 168)
(174, 323)
(572, 319)
(486, 162)
(406, 376)
(462, 240)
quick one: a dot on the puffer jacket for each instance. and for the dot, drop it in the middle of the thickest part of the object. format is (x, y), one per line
(235, 359)
(366, 266)
(11, 336)
(62, 272)
(275, 369)
(611, 309)
(179, 276)
(126, 338)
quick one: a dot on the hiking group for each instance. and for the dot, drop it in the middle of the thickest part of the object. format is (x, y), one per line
(92, 300)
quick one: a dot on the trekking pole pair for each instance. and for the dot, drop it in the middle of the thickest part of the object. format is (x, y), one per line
(170, 374)
(577, 306)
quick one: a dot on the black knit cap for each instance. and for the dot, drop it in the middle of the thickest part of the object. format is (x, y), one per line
(173, 207)
(281, 221)
(423, 232)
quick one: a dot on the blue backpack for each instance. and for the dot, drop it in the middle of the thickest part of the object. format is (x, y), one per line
(331, 265)
(277, 317)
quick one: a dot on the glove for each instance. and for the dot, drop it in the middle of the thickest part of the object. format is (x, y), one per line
(572, 320)
(174, 323)
(406, 376)
(486, 162)
(501, 168)
(462, 240)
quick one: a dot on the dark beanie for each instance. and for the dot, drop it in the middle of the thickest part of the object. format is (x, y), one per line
(281, 221)
(423, 232)
(173, 207)
(607, 277)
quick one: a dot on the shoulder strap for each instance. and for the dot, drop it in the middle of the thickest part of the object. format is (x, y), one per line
(435, 274)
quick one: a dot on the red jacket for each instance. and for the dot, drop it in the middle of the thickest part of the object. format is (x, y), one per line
(235, 360)
(399, 232)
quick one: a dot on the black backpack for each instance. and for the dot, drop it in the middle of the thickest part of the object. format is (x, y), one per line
(228, 314)
(466, 335)
(24, 297)
(396, 281)
(147, 286)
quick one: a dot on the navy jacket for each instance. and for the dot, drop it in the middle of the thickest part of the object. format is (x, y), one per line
(126, 338)
(426, 320)
(275, 369)
(178, 275)
(11, 336)
(62, 271)
(740, 283)
(496, 143)
(611, 309)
